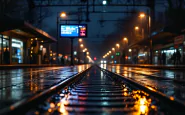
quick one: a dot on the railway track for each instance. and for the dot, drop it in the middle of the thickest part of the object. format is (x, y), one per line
(98, 91)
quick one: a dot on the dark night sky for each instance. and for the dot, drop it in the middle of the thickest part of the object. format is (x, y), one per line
(94, 28)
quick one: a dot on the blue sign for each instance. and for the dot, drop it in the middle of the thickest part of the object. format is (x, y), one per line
(69, 30)
(73, 30)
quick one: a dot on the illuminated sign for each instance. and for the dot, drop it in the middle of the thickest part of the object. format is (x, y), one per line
(117, 53)
(73, 30)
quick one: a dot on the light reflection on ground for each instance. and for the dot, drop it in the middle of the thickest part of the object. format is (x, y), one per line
(18, 84)
(168, 87)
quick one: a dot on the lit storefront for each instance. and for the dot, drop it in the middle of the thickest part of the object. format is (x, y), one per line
(17, 51)
(21, 43)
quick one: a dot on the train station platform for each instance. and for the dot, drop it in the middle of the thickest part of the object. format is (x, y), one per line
(17, 66)
(154, 66)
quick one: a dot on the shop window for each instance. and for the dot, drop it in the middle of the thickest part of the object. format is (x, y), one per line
(5, 50)
(17, 51)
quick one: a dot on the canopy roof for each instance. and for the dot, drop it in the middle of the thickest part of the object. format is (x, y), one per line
(21, 29)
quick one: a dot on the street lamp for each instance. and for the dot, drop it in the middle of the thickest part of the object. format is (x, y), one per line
(136, 28)
(142, 15)
(62, 15)
(104, 2)
(117, 45)
(80, 40)
(81, 45)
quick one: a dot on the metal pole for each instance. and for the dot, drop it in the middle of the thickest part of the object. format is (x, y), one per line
(78, 53)
(150, 38)
(72, 63)
(57, 41)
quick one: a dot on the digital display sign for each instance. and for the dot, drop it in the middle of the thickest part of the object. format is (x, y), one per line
(73, 30)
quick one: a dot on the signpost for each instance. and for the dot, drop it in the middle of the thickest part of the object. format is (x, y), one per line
(73, 31)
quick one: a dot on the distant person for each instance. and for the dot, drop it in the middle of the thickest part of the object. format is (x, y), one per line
(178, 55)
(6, 56)
(62, 60)
(174, 58)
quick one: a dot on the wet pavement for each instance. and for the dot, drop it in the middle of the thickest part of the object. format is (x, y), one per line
(97, 93)
(17, 84)
(162, 80)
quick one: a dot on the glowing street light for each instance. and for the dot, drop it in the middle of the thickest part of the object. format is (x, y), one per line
(113, 49)
(125, 39)
(80, 40)
(136, 28)
(109, 51)
(130, 50)
(117, 45)
(104, 2)
(81, 45)
(63, 14)
(142, 15)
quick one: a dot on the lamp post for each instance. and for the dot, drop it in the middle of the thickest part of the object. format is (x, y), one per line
(79, 46)
(118, 52)
(125, 43)
(62, 15)
(142, 15)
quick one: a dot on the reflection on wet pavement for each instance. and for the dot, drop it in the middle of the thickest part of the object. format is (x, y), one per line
(167, 86)
(98, 94)
(20, 83)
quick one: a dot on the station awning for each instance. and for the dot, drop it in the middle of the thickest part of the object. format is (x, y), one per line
(21, 29)
(163, 37)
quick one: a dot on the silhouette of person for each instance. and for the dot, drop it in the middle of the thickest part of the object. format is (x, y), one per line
(6, 56)
(178, 56)
(174, 58)
(62, 60)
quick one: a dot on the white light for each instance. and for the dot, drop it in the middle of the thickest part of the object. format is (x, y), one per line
(41, 46)
(130, 50)
(75, 52)
(16, 45)
(105, 61)
(104, 2)
(141, 55)
(101, 61)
